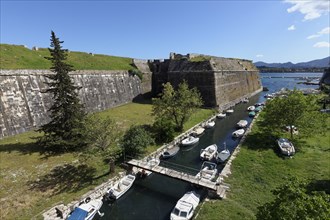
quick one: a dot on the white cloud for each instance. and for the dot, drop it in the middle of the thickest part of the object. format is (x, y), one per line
(292, 28)
(259, 55)
(320, 33)
(325, 30)
(311, 9)
(313, 36)
(322, 44)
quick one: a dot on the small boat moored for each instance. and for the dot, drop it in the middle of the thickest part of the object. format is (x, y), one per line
(209, 124)
(221, 115)
(171, 152)
(198, 131)
(286, 147)
(245, 100)
(251, 108)
(223, 155)
(252, 114)
(185, 207)
(189, 141)
(86, 210)
(208, 171)
(230, 111)
(121, 187)
(209, 153)
(238, 133)
(242, 124)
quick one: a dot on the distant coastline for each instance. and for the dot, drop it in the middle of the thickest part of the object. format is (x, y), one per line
(290, 70)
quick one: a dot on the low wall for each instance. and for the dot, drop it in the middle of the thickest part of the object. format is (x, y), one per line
(23, 106)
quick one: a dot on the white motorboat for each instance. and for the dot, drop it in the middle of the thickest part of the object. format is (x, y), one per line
(185, 207)
(86, 210)
(238, 133)
(245, 100)
(209, 124)
(223, 155)
(189, 141)
(251, 108)
(221, 115)
(286, 147)
(209, 153)
(198, 131)
(242, 123)
(151, 163)
(208, 171)
(171, 152)
(121, 187)
(230, 111)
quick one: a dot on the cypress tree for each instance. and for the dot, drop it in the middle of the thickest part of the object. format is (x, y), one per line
(64, 131)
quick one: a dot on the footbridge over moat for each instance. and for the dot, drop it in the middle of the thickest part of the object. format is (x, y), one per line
(217, 186)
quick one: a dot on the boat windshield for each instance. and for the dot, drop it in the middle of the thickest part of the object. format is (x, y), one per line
(176, 211)
(183, 214)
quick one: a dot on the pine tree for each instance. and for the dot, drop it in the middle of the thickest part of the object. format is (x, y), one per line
(63, 132)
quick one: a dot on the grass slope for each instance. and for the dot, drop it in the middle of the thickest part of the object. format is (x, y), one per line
(32, 182)
(19, 57)
(259, 168)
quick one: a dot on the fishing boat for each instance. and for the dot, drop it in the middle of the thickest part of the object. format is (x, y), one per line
(221, 115)
(238, 133)
(209, 153)
(209, 124)
(230, 111)
(252, 114)
(185, 207)
(189, 141)
(208, 171)
(286, 147)
(198, 131)
(86, 209)
(171, 152)
(242, 123)
(121, 187)
(251, 108)
(223, 155)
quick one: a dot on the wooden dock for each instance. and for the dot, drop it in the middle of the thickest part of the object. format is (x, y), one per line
(214, 186)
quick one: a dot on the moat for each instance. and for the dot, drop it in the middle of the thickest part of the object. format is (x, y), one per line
(155, 196)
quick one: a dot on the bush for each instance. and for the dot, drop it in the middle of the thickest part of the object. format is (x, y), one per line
(164, 130)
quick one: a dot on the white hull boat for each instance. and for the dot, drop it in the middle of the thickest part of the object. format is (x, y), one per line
(185, 207)
(171, 152)
(238, 133)
(86, 210)
(223, 155)
(189, 141)
(230, 111)
(209, 153)
(251, 108)
(242, 123)
(246, 100)
(286, 147)
(208, 171)
(198, 131)
(221, 115)
(210, 124)
(121, 187)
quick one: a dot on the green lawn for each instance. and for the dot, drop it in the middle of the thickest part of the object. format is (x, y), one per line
(19, 57)
(32, 182)
(258, 169)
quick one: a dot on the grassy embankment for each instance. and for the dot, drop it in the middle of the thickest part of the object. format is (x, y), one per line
(259, 168)
(19, 57)
(30, 183)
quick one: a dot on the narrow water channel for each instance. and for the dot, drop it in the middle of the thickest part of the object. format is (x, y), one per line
(153, 197)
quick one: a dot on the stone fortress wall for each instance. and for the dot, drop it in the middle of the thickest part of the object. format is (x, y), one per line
(221, 81)
(23, 106)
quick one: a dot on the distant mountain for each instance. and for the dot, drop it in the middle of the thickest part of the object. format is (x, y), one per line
(320, 63)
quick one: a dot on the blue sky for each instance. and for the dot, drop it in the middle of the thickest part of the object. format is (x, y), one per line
(270, 31)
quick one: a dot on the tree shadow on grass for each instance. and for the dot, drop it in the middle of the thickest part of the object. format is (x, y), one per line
(319, 185)
(23, 148)
(66, 178)
(260, 141)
